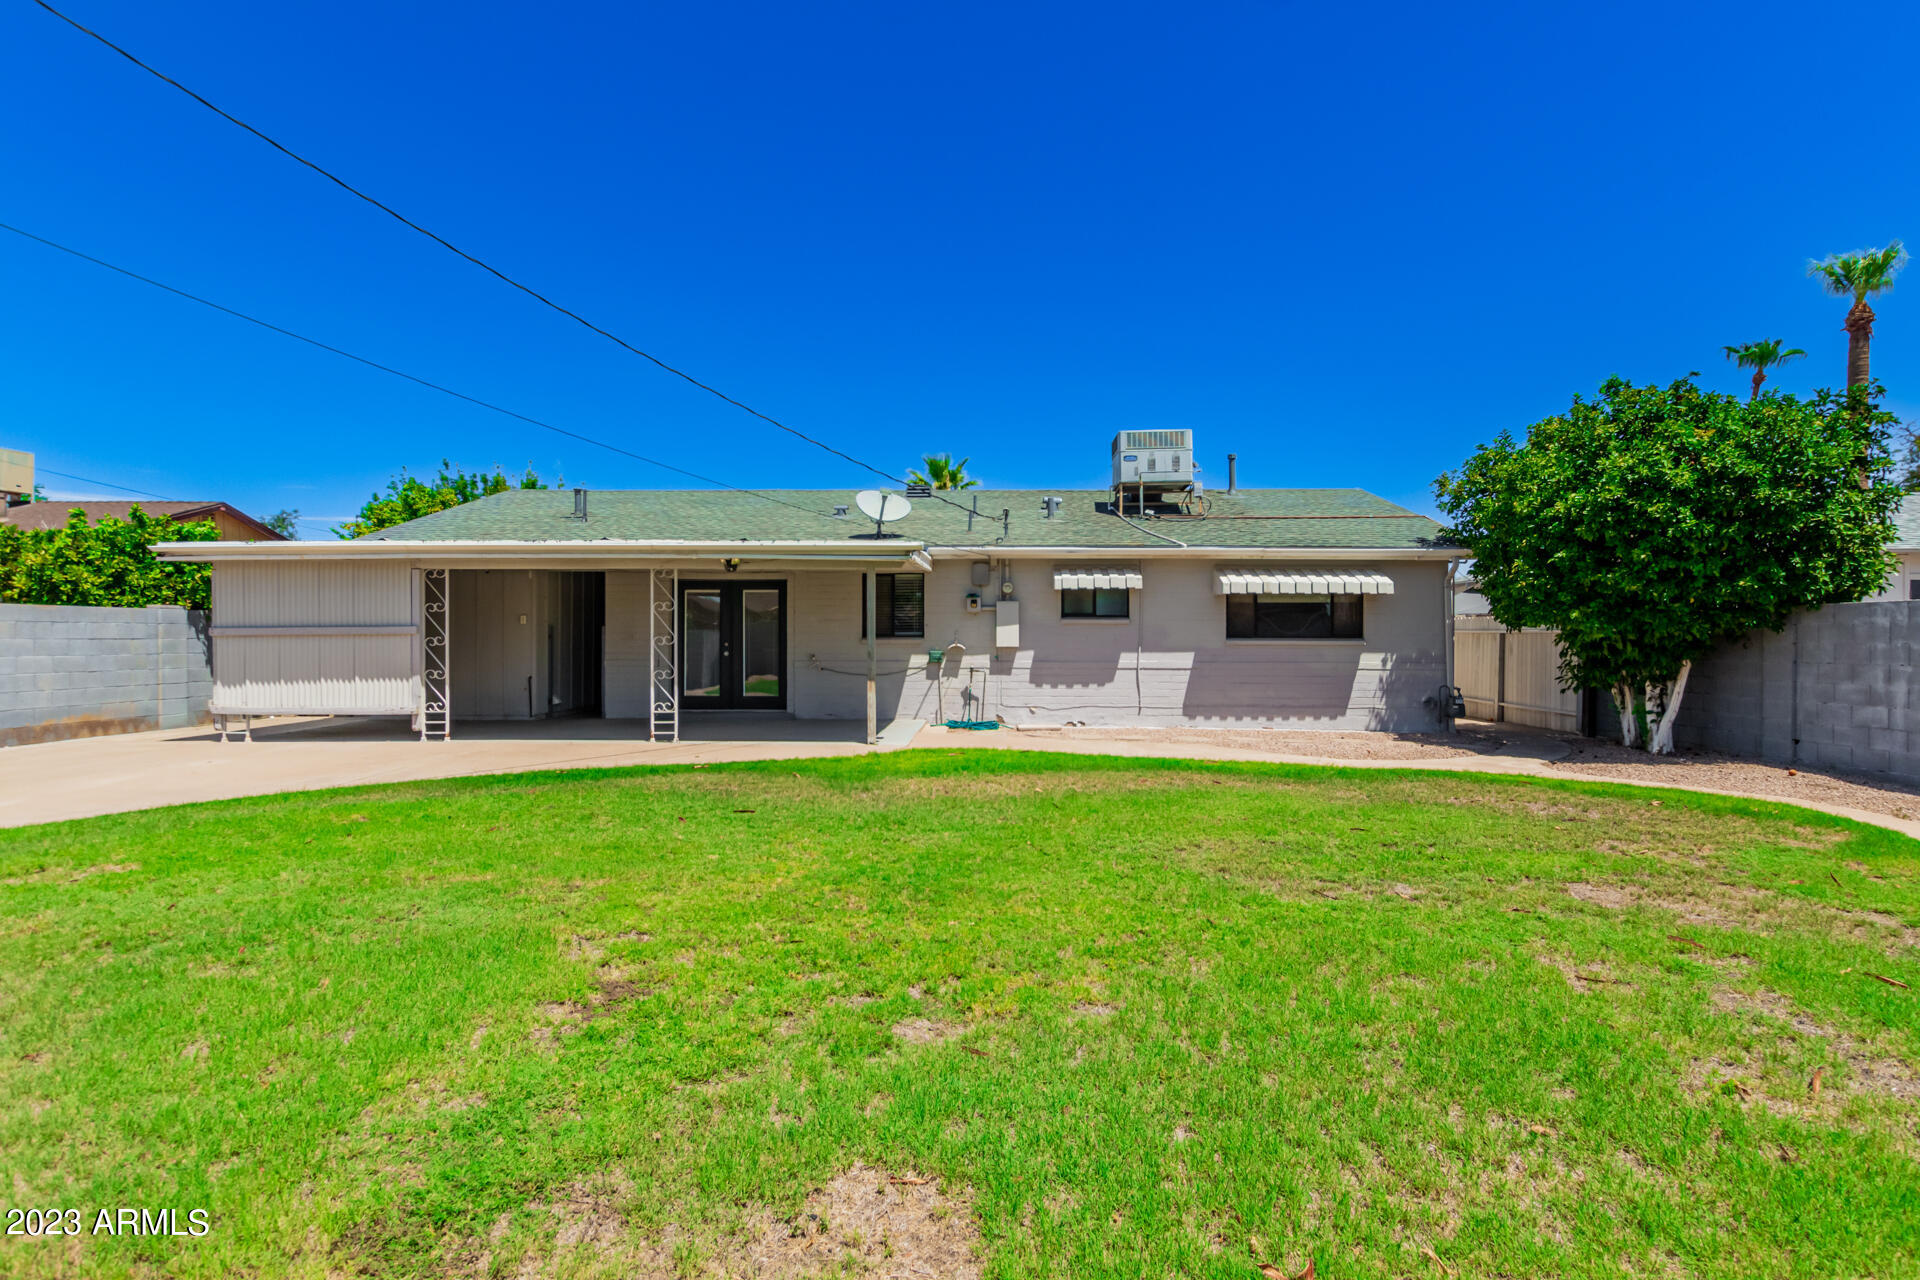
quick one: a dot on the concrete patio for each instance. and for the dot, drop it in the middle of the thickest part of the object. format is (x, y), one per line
(84, 777)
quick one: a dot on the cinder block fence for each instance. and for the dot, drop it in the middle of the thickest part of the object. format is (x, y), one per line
(1834, 690)
(71, 671)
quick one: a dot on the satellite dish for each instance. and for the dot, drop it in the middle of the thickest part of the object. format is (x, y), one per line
(882, 507)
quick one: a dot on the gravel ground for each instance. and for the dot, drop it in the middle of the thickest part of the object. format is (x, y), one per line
(1585, 757)
(1712, 771)
(1337, 746)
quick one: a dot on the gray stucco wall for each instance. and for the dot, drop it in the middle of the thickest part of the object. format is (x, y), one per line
(74, 671)
(1170, 663)
(1835, 689)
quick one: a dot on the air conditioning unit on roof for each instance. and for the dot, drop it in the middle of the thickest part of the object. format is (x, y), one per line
(1162, 458)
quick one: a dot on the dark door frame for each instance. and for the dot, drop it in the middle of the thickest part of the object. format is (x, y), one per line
(732, 696)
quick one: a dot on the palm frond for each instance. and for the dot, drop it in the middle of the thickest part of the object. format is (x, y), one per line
(1763, 354)
(1860, 274)
(942, 472)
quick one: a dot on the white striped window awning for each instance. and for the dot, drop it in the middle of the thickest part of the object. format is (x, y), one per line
(1253, 582)
(1082, 579)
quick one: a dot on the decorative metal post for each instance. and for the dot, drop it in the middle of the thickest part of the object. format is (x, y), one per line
(436, 714)
(663, 655)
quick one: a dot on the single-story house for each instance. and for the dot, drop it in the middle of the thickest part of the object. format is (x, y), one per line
(1293, 608)
(234, 524)
(1904, 582)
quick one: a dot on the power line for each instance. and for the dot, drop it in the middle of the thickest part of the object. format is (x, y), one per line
(537, 296)
(398, 373)
(102, 483)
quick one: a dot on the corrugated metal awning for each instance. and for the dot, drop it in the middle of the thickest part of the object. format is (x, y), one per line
(1240, 582)
(1081, 579)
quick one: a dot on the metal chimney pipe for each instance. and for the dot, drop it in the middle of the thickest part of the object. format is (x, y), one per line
(1233, 460)
(579, 504)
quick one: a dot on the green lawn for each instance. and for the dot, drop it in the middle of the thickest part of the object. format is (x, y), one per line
(1130, 1017)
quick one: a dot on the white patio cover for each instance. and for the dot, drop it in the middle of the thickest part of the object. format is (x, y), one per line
(1239, 582)
(1081, 579)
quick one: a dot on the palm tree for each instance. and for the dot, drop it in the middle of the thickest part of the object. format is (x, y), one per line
(1859, 275)
(1760, 357)
(944, 473)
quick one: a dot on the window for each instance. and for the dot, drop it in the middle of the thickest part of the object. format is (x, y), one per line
(1094, 602)
(1252, 617)
(901, 599)
(1913, 588)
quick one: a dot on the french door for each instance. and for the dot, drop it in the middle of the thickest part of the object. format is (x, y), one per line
(733, 645)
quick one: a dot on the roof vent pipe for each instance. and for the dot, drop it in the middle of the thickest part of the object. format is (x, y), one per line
(1050, 507)
(1233, 462)
(579, 504)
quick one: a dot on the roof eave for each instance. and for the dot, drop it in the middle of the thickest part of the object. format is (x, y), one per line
(1198, 551)
(531, 549)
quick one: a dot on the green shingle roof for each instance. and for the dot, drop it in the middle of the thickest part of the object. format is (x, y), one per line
(1250, 518)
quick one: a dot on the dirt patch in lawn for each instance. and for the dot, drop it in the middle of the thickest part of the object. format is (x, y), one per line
(585, 1232)
(565, 1017)
(1585, 977)
(1867, 1069)
(864, 1222)
(1604, 895)
(1722, 906)
(926, 1030)
(69, 875)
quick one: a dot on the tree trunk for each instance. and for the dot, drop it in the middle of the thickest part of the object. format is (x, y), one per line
(1662, 744)
(1759, 376)
(1859, 328)
(1629, 723)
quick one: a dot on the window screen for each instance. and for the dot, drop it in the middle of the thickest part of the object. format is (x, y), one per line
(901, 599)
(1093, 602)
(1252, 617)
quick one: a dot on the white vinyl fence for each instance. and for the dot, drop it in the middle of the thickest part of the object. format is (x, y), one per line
(1512, 675)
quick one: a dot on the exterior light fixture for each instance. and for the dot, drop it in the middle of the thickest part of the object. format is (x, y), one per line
(732, 564)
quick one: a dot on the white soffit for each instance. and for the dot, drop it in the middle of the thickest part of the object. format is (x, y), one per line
(1082, 579)
(1239, 582)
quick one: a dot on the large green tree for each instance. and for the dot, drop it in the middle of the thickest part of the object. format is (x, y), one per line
(1768, 353)
(109, 563)
(1859, 275)
(408, 497)
(1650, 525)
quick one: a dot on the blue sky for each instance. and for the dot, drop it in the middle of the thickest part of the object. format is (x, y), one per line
(1346, 242)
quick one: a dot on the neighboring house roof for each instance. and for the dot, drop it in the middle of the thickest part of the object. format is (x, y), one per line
(1906, 524)
(1247, 518)
(53, 514)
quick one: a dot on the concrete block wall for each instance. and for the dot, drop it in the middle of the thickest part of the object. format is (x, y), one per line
(1835, 689)
(72, 671)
